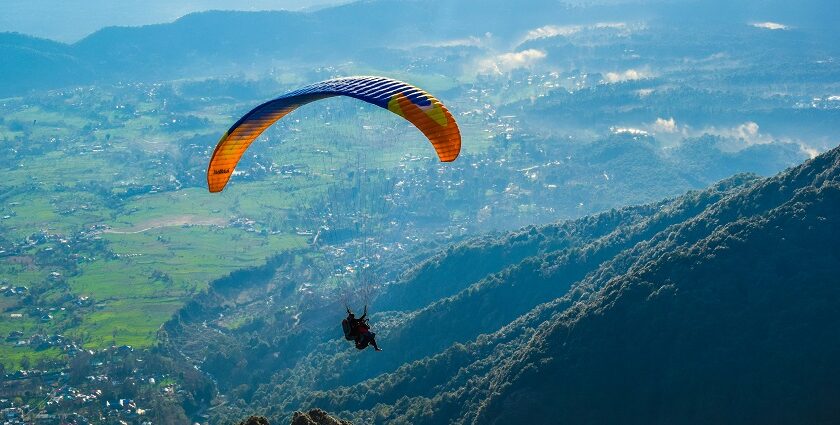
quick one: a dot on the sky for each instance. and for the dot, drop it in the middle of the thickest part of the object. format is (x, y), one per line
(70, 20)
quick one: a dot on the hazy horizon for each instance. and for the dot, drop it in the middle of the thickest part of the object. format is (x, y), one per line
(71, 20)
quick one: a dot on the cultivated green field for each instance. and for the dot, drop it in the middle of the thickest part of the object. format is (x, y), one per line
(106, 220)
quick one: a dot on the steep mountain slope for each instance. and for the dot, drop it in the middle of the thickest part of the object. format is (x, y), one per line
(725, 314)
(562, 254)
(501, 297)
(738, 326)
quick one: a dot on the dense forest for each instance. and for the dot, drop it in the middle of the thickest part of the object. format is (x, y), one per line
(721, 297)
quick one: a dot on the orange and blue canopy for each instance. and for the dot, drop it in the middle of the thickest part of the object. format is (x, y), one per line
(415, 105)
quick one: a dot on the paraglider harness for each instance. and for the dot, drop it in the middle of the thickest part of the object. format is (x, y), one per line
(349, 333)
(351, 330)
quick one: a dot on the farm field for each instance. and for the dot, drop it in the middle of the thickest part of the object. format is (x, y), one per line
(107, 226)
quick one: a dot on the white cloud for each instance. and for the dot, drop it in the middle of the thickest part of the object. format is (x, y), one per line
(509, 61)
(459, 42)
(770, 25)
(747, 131)
(740, 136)
(469, 41)
(662, 125)
(630, 74)
(644, 92)
(549, 31)
(811, 152)
(610, 25)
(629, 130)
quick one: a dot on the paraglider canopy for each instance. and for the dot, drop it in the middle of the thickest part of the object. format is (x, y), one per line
(415, 105)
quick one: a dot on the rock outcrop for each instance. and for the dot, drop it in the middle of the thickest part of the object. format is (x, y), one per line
(316, 417)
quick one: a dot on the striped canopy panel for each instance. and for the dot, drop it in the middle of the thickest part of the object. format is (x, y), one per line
(405, 100)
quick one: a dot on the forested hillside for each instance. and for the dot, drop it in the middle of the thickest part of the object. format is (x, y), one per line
(717, 306)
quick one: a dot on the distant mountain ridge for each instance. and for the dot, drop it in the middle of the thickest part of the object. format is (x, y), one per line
(217, 43)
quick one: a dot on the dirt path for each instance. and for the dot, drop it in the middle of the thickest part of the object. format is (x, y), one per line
(181, 220)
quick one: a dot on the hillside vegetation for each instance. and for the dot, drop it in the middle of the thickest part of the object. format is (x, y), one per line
(665, 313)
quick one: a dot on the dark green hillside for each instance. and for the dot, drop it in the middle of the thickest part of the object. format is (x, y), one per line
(501, 297)
(444, 274)
(728, 293)
(558, 255)
(739, 326)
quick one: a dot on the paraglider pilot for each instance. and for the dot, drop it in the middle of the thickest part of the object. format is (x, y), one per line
(358, 330)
